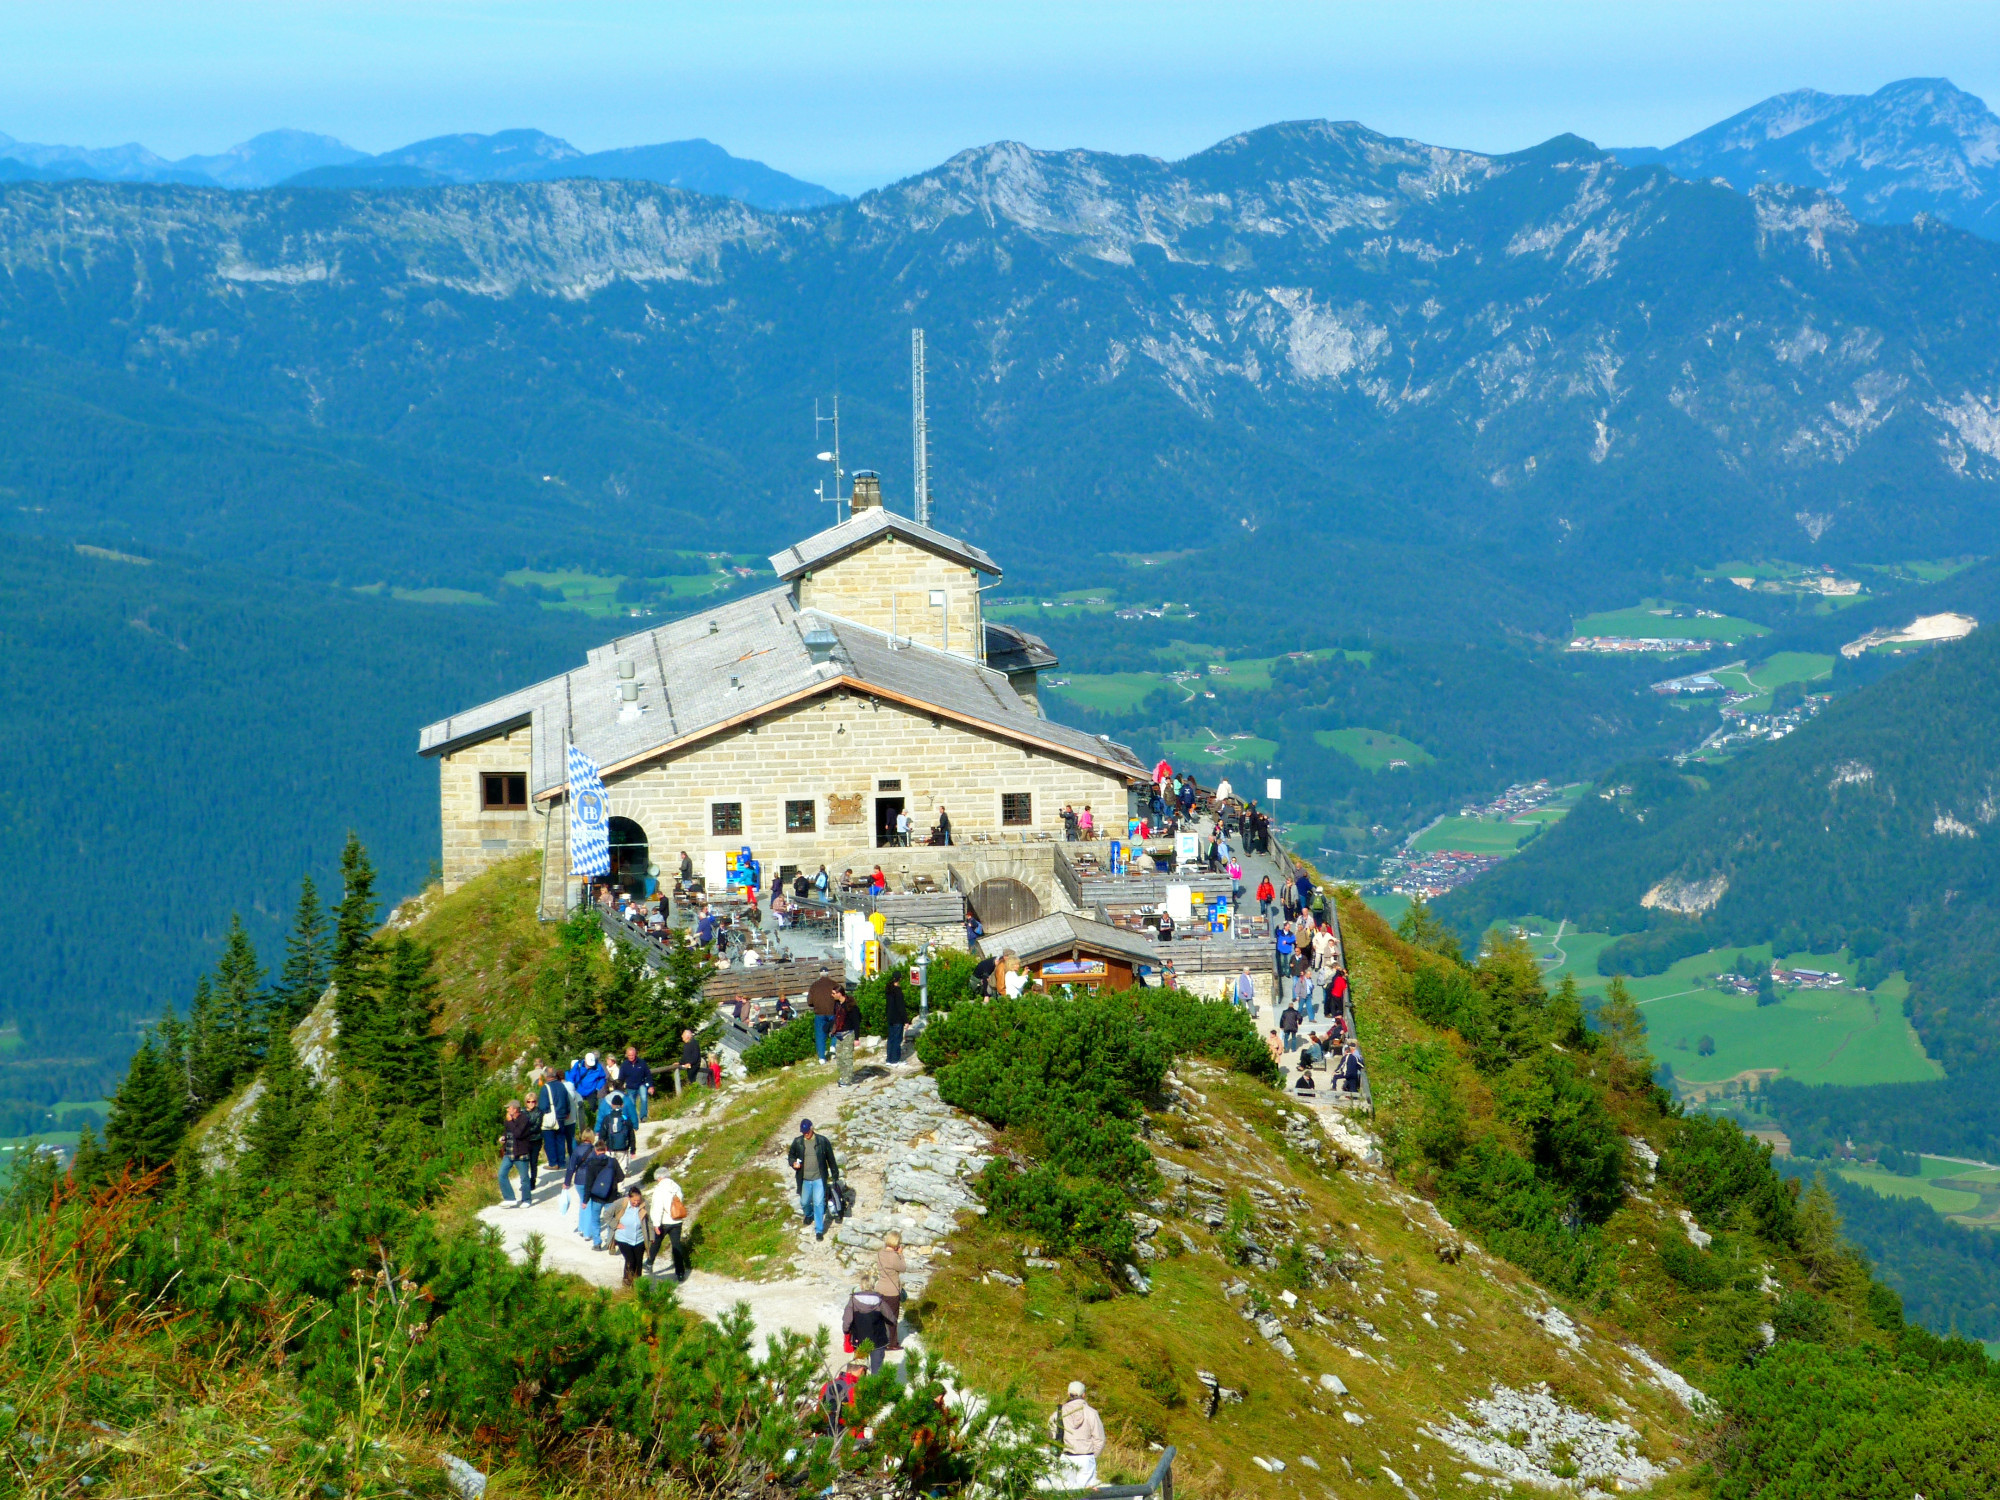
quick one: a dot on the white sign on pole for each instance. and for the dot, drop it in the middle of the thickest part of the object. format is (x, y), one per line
(1187, 849)
(714, 872)
(855, 931)
(1180, 903)
(1271, 786)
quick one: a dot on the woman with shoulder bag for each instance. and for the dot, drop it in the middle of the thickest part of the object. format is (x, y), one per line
(671, 1218)
(633, 1233)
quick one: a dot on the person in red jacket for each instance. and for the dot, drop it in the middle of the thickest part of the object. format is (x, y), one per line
(1266, 894)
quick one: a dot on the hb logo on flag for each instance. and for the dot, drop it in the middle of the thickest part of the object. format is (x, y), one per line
(589, 837)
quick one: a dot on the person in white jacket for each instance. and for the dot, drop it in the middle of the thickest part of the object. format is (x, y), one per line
(1077, 1426)
(667, 1228)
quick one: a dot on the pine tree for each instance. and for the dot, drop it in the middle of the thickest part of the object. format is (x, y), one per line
(172, 1037)
(1624, 1030)
(147, 1123)
(1421, 928)
(283, 1110)
(91, 1165)
(1822, 1247)
(568, 991)
(402, 1046)
(239, 1007)
(354, 958)
(207, 1053)
(307, 951)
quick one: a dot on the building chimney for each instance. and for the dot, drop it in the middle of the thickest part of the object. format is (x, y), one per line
(867, 492)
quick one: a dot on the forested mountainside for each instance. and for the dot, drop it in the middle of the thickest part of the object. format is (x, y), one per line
(1871, 827)
(183, 741)
(1603, 368)
(1916, 146)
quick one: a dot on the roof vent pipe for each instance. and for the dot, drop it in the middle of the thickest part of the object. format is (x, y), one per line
(821, 644)
(629, 691)
(867, 492)
(628, 670)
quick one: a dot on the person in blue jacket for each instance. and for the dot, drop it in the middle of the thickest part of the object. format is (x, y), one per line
(1287, 946)
(590, 1083)
(638, 1079)
(552, 1103)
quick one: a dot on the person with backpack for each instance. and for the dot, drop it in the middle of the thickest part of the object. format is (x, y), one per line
(846, 1031)
(1080, 1430)
(520, 1143)
(816, 1172)
(582, 1179)
(632, 1232)
(553, 1113)
(671, 1219)
(614, 1131)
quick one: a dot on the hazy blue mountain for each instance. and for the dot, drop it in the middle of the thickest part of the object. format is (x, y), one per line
(531, 156)
(271, 157)
(1310, 330)
(127, 163)
(1917, 146)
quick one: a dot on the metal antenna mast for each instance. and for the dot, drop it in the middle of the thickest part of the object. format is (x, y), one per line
(920, 437)
(831, 456)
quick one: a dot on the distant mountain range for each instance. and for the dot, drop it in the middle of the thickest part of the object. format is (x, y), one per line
(299, 158)
(1918, 146)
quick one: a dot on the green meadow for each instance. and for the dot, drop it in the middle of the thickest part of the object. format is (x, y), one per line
(1773, 673)
(1654, 618)
(1479, 835)
(1845, 1036)
(1945, 1200)
(1070, 604)
(1110, 692)
(1372, 749)
(1205, 752)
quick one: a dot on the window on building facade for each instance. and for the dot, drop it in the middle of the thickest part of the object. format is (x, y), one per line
(1017, 809)
(503, 789)
(725, 817)
(889, 786)
(799, 817)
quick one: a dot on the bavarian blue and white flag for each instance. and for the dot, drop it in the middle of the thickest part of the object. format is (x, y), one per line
(589, 836)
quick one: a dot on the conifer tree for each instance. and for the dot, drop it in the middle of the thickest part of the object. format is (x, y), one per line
(1625, 1031)
(238, 1006)
(307, 951)
(91, 1165)
(353, 959)
(568, 991)
(172, 1036)
(147, 1123)
(1422, 928)
(206, 1054)
(283, 1111)
(401, 1045)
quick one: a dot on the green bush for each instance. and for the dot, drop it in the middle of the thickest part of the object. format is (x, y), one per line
(1721, 1174)
(787, 1044)
(1084, 1216)
(1694, 1269)
(1214, 1029)
(1808, 1422)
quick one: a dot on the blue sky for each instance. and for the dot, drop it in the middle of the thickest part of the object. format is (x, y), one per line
(853, 95)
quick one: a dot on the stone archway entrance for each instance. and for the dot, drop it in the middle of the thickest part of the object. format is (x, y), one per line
(1001, 902)
(630, 858)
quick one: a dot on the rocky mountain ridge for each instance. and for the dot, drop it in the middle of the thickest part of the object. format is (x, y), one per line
(1918, 146)
(1597, 362)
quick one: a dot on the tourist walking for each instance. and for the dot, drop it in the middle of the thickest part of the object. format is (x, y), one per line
(590, 1082)
(1246, 992)
(823, 994)
(1288, 1023)
(1287, 945)
(944, 826)
(1266, 894)
(632, 1232)
(552, 1110)
(816, 1172)
(672, 1217)
(638, 1076)
(1305, 994)
(889, 1269)
(520, 1144)
(846, 1030)
(896, 1014)
(1080, 1430)
(615, 1131)
(864, 1321)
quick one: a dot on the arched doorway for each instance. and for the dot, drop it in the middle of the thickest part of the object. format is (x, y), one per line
(629, 856)
(1003, 902)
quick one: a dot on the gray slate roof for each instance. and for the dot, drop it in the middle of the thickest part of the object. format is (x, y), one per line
(1057, 933)
(859, 531)
(1011, 649)
(699, 674)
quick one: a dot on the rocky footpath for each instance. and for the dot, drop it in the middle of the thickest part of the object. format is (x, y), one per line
(923, 1153)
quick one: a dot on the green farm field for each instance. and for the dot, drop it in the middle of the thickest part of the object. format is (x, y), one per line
(1843, 1036)
(1927, 1190)
(1641, 620)
(1478, 835)
(1110, 692)
(597, 593)
(1774, 673)
(1372, 749)
(1070, 604)
(1210, 752)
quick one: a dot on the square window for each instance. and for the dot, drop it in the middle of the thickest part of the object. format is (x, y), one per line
(504, 790)
(725, 817)
(800, 816)
(1017, 809)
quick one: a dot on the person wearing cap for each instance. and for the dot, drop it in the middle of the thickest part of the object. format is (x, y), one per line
(1080, 1430)
(590, 1082)
(816, 1172)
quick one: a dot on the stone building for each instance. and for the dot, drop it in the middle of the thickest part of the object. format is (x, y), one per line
(797, 723)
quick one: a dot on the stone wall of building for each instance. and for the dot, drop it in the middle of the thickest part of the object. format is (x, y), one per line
(476, 839)
(888, 585)
(836, 753)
